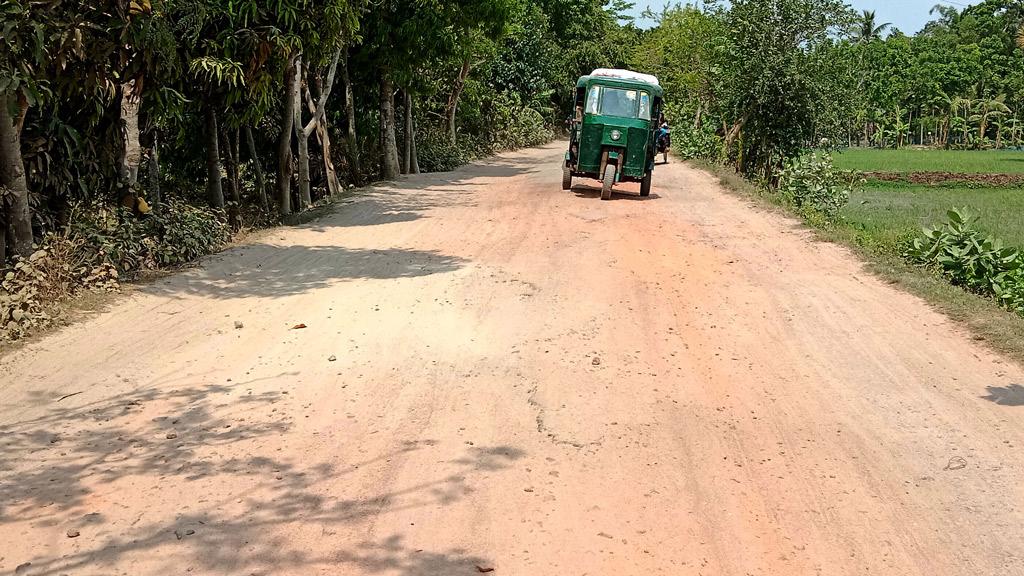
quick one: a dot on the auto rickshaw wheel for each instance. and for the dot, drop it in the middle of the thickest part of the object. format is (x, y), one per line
(566, 178)
(645, 185)
(608, 182)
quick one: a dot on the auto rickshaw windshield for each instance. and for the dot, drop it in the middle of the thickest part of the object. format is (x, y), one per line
(619, 102)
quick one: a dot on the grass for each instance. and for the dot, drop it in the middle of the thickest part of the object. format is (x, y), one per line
(886, 210)
(882, 216)
(913, 160)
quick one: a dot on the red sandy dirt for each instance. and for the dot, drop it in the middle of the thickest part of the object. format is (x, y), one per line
(499, 374)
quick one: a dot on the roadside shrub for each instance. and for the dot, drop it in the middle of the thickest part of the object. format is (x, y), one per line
(187, 233)
(102, 246)
(1011, 292)
(965, 255)
(20, 306)
(436, 153)
(113, 235)
(518, 126)
(972, 260)
(815, 187)
(700, 143)
(57, 270)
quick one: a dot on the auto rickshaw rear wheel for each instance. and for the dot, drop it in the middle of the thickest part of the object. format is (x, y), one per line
(645, 185)
(566, 178)
(608, 182)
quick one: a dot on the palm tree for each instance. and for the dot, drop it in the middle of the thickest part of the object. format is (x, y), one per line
(866, 30)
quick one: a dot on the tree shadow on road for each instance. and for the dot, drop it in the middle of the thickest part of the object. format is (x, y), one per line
(83, 466)
(269, 271)
(414, 197)
(1012, 395)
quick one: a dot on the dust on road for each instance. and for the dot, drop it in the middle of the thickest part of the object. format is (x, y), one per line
(496, 374)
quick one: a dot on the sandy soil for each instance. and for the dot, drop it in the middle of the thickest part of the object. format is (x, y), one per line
(497, 374)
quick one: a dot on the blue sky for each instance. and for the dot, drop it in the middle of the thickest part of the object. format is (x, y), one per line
(907, 15)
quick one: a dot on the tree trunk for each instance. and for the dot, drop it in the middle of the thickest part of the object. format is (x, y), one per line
(323, 135)
(416, 156)
(234, 182)
(351, 140)
(453, 100)
(415, 168)
(284, 144)
(407, 152)
(131, 149)
(389, 145)
(257, 168)
(302, 138)
(153, 164)
(698, 119)
(303, 132)
(12, 177)
(214, 191)
(229, 166)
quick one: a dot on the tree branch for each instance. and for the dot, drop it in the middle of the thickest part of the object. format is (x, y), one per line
(321, 106)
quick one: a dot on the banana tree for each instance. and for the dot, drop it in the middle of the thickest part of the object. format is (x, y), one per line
(987, 110)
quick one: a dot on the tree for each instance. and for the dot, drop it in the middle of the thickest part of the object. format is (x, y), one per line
(774, 87)
(986, 110)
(866, 31)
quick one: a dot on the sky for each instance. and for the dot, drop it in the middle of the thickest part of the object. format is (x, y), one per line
(907, 15)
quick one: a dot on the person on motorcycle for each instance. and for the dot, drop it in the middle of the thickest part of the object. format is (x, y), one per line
(664, 140)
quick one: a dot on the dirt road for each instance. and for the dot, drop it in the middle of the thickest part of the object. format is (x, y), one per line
(496, 374)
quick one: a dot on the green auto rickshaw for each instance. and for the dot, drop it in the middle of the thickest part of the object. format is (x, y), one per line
(613, 133)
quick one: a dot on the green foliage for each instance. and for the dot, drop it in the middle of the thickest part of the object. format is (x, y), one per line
(437, 153)
(20, 307)
(114, 236)
(700, 143)
(59, 269)
(185, 233)
(515, 125)
(973, 260)
(815, 187)
(775, 85)
(177, 234)
(965, 255)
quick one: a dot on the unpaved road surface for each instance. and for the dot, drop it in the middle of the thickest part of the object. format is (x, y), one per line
(496, 374)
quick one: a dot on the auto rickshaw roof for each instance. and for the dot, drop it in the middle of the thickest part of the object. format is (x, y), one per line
(622, 79)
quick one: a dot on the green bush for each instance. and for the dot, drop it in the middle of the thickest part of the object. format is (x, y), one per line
(101, 246)
(113, 235)
(57, 270)
(972, 260)
(517, 126)
(174, 234)
(186, 233)
(700, 143)
(815, 187)
(20, 305)
(1011, 292)
(436, 153)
